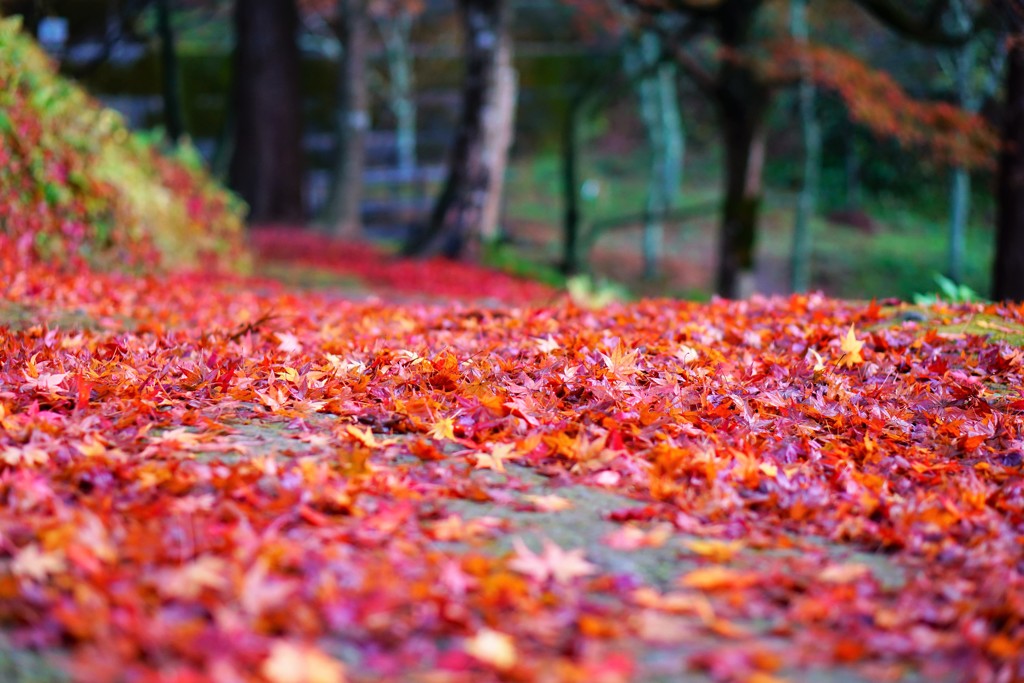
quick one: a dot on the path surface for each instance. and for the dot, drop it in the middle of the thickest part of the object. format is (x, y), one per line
(225, 480)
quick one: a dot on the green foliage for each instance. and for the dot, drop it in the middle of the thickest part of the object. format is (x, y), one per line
(76, 184)
(588, 292)
(899, 261)
(949, 292)
(506, 258)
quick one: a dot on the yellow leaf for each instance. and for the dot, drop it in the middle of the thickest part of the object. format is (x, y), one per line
(366, 437)
(563, 566)
(547, 345)
(289, 343)
(443, 429)
(851, 347)
(46, 381)
(291, 663)
(844, 573)
(33, 563)
(495, 460)
(24, 455)
(679, 603)
(494, 648)
(718, 578)
(621, 362)
(719, 551)
(189, 581)
(819, 364)
(633, 537)
(549, 503)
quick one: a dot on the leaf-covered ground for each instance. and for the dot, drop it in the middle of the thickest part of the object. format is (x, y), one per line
(217, 479)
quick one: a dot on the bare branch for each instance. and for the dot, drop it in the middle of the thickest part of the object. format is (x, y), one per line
(695, 8)
(926, 28)
(674, 42)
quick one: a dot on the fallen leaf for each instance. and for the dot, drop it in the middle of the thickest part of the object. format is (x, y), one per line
(851, 348)
(718, 578)
(494, 648)
(552, 563)
(295, 663)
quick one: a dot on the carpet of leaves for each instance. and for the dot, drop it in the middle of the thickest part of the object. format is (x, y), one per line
(144, 538)
(391, 276)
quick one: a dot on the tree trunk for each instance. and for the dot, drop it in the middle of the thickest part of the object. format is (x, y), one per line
(267, 165)
(499, 130)
(743, 101)
(396, 32)
(454, 226)
(571, 189)
(343, 212)
(744, 162)
(1008, 276)
(674, 137)
(800, 261)
(959, 210)
(173, 120)
(659, 108)
(964, 60)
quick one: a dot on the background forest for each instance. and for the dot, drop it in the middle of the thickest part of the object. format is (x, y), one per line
(656, 148)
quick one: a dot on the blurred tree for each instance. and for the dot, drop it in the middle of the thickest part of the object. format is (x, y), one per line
(173, 119)
(1008, 275)
(457, 222)
(394, 20)
(608, 27)
(800, 260)
(974, 69)
(742, 84)
(267, 164)
(343, 212)
(499, 118)
(659, 109)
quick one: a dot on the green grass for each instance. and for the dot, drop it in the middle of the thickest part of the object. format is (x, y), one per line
(509, 260)
(901, 260)
(311, 277)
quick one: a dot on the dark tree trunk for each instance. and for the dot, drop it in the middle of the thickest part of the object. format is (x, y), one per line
(353, 121)
(743, 102)
(743, 134)
(453, 228)
(267, 165)
(1008, 276)
(173, 119)
(570, 190)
